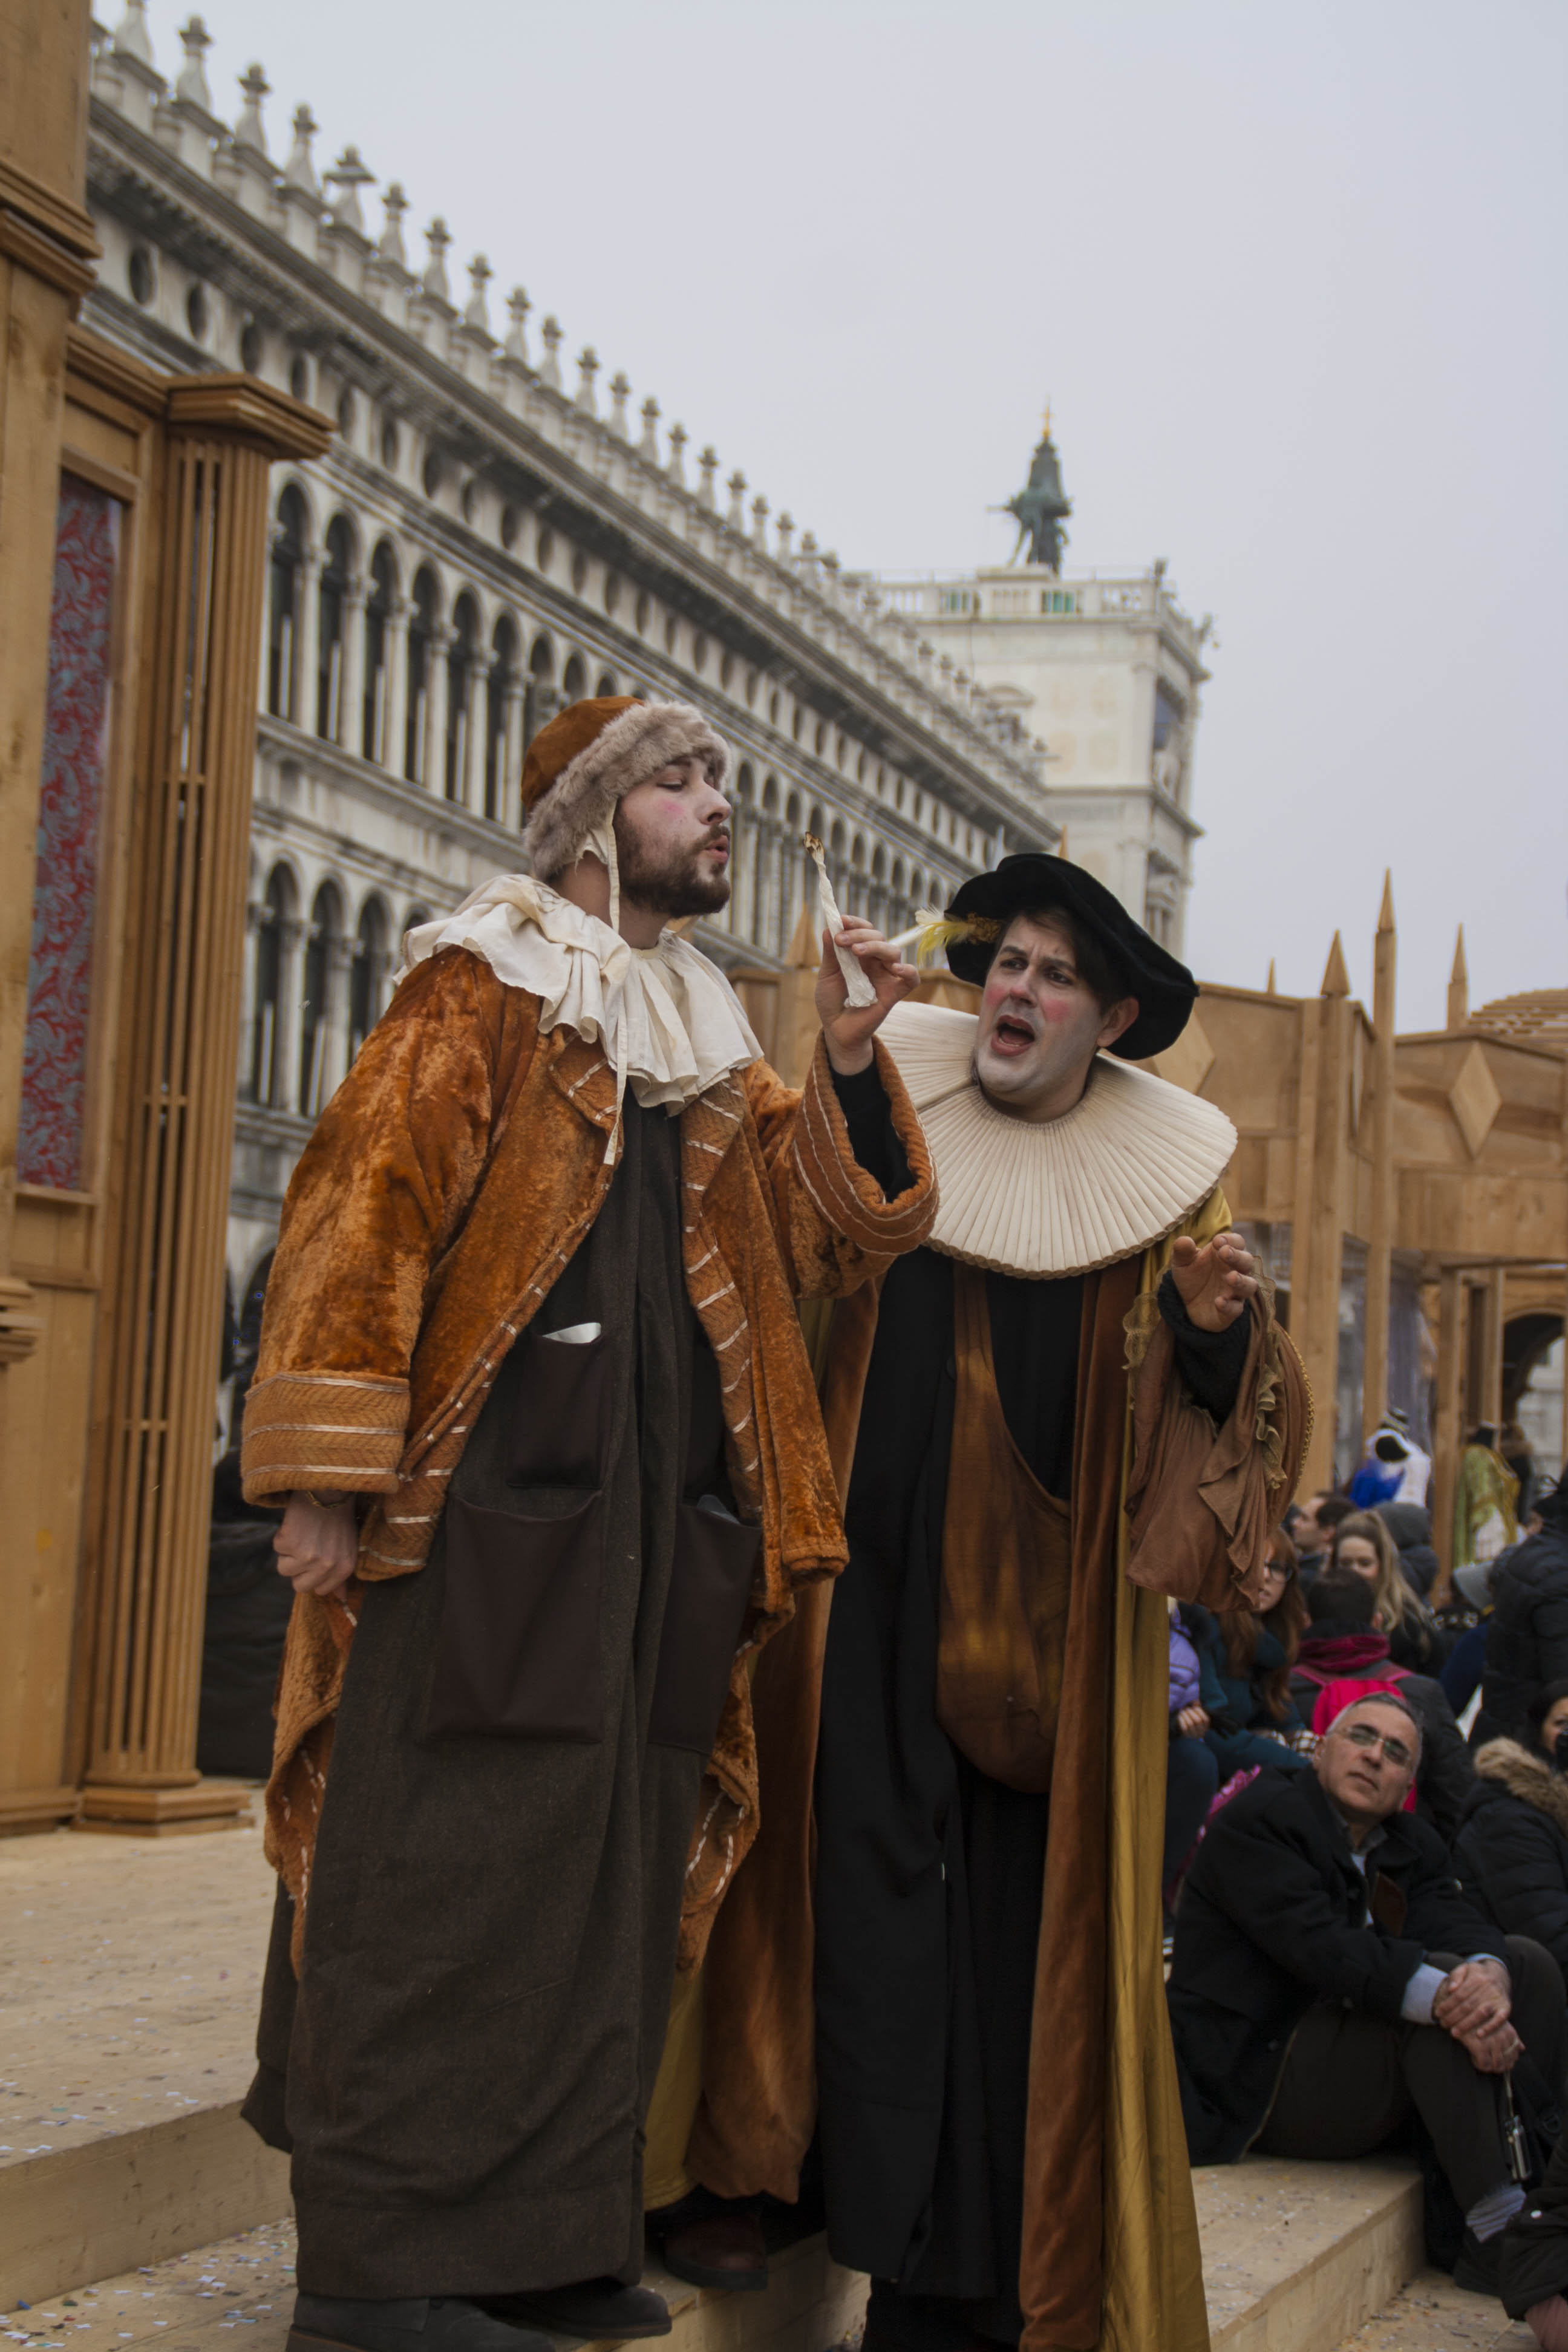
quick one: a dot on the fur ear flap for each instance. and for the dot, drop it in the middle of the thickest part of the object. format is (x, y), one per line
(1526, 1776)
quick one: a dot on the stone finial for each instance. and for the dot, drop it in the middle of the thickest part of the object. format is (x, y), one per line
(587, 369)
(517, 310)
(675, 469)
(620, 392)
(435, 281)
(390, 244)
(736, 518)
(348, 175)
(708, 466)
(251, 130)
(298, 171)
(131, 39)
(549, 373)
(786, 537)
(476, 311)
(648, 446)
(191, 84)
(808, 556)
(830, 566)
(759, 524)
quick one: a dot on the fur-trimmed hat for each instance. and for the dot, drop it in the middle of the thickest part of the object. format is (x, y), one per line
(591, 755)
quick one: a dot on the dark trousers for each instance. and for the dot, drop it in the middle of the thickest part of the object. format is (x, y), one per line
(1192, 1776)
(1351, 2080)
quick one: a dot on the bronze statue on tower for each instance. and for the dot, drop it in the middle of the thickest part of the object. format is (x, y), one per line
(1041, 507)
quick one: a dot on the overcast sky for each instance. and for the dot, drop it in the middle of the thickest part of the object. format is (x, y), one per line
(1291, 275)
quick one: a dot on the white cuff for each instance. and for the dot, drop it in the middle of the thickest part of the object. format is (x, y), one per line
(1420, 1993)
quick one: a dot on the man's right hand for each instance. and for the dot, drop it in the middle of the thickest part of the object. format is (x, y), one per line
(1473, 2004)
(318, 1544)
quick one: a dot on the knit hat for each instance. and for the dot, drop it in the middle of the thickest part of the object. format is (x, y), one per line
(590, 756)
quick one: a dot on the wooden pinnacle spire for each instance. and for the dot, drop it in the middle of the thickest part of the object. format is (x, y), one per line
(1336, 978)
(1460, 986)
(1272, 990)
(1385, 912)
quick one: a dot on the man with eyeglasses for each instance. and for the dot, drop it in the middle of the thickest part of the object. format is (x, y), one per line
(1330, 1975)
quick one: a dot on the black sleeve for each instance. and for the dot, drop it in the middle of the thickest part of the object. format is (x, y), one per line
(1446, 1774)
(1211, 1362)
(868, 1116)
(1522, 1878)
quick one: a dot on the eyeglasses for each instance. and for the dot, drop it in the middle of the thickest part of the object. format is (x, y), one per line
(1373, 1743)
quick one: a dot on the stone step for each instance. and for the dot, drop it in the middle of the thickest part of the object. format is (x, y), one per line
(1433, 2314)
(186, 2303)
(1295, 2256)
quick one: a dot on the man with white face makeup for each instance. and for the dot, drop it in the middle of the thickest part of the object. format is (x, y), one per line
(973, 1737)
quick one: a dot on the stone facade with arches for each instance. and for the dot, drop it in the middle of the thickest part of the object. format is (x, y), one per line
(480, 546)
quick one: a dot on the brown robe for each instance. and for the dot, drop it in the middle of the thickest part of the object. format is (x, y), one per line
(1110, 2251)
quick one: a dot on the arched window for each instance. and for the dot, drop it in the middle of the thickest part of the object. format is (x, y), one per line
(606, 684)
(367, 973)
(421, 631)
(460, 664)
(283, 604)
(500, 684)
(271, 942)
(321, 942)
(331, 605)
(541, 702)
(574, 680)
(377, 620)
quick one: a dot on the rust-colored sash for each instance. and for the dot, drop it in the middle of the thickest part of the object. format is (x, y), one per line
(1061, 2271)
(1006, 1569)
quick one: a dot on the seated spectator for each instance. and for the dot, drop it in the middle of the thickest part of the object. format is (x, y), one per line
(1245, 1657)
(1328, 1976)
(1323, 1514)
(1362, 1542)
(1527, 1634)
(1343, 1644)
(1511, 1852)
(1191, 1773)
(1410, 1524)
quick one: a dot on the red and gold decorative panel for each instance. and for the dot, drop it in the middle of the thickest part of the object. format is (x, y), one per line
(65, 899)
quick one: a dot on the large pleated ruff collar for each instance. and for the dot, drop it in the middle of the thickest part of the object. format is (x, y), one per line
(1119, 1170)
(669, 1022)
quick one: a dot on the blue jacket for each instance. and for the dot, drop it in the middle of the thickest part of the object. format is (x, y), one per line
(1239, 1717)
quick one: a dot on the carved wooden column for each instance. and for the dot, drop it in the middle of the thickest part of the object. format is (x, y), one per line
(1380, 1239)
(173, 1109)
(1447, 1435)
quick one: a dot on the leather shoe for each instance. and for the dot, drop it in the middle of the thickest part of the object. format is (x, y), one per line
(600, 2307)
(721, 2250)
(413, 2323)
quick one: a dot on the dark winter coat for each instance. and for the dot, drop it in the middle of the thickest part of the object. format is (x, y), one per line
(1240, 1721)
(1527, 1637)
(1411, 1528)
(1336, 1651)
(1274, 1917)
(1511, 1852)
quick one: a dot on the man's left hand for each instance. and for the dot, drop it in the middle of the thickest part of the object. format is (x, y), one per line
(848, 1033)
(1217, 1281)
(1473, 1998)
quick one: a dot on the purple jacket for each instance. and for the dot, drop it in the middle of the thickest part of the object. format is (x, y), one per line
(1185, 1678)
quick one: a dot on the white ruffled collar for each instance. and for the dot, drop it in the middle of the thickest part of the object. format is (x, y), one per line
(668, 1020)
(1121, 1169)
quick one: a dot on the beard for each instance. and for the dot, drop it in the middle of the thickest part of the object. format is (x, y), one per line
(673, 884)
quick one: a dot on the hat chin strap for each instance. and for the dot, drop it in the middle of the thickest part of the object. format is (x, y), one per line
(601, 842)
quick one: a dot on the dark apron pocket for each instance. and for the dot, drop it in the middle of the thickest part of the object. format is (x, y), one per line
(558, 1427)
(521, 1650)
(710, 1585)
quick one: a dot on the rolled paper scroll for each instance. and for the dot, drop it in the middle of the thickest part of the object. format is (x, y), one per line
(830, 921)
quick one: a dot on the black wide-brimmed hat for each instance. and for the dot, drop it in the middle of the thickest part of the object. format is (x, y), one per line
(1026, 884)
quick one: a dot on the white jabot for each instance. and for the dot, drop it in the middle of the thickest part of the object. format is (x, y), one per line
(1122, 1169)
(669, 1022)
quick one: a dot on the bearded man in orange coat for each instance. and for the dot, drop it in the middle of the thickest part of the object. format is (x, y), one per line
(533, 1394)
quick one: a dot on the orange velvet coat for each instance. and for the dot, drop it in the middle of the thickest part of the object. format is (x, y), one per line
(447, 1183)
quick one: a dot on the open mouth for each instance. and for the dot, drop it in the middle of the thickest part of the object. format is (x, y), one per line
(1011, 1035)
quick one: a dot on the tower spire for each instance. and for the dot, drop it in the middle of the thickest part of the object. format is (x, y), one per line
(1460, 986)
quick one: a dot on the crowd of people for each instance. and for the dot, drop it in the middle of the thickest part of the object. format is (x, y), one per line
(1366, 1865)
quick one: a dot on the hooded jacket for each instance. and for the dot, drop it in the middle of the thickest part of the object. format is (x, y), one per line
(1527, 1634)
(1511, 1852)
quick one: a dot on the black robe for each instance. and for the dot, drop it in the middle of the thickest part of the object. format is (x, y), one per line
(464, 2068)
(929, 1874)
